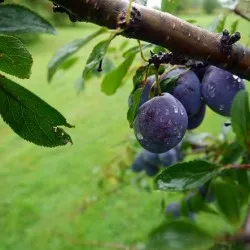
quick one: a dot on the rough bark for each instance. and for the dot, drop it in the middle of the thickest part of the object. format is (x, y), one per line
(165, 30)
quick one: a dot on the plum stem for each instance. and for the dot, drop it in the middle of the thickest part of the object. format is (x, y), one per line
(128, 14)
(142, 55)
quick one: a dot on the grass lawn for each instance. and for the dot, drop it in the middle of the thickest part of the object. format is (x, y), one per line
(42, 190)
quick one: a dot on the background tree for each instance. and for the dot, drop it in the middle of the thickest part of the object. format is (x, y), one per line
(210, 5)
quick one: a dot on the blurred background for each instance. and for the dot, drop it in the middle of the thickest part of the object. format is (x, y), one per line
(76, 197)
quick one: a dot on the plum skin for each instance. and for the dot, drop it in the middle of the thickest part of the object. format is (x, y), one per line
(196, 120)
(168, 158)
(160, 123)
(187, 89)
(219, 88)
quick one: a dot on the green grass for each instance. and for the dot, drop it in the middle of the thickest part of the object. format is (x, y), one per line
(42, 190)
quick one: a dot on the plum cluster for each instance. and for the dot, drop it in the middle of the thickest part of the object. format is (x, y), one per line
(161, 121)
(151, 163)
(174, 209)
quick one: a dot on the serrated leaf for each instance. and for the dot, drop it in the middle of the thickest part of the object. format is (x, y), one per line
(67, 51)
(16, 19)
(15, 59)
(186, 175)
(30, 117)
(227, 199)
(240, 112)
(114, 79)
(178, 235)
(142, 2)
(169, 5)
(134, 107)
(96, 56)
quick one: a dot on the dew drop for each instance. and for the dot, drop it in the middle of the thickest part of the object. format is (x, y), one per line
(176, 110)
(211, 90)
(221, 108)
(139, 136)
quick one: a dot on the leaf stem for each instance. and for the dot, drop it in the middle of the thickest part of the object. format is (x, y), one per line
(142, 55)
(129, 11)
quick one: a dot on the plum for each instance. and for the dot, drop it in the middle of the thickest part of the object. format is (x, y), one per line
(168, 158)
(200, 71)
(196, 120)
(145, 96)
(138, 163)
(173, 210)
(219, 88)
(187, 89)
(151, 169)
(160, 123)
(150, 157)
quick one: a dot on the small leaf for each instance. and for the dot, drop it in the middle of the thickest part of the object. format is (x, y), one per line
(234, 26)
(67, 51)
(169, 5)
(96, 56)
(178, 235)
(186, 175)
(227, 199)
(240, 112)
(218, 24)
(30, 117)
(15, 59)
(16, 19)
(113, 80)
(134, 107)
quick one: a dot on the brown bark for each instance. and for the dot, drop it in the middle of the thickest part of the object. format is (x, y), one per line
(165, 30)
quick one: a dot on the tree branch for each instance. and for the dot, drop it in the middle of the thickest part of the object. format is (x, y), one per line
(163, 29)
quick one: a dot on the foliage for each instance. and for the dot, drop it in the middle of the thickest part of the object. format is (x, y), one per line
(210, 5)
(210, 172)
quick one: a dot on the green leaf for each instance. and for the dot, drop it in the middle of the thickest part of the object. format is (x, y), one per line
(234, 26)
(169, 5)
(15, 59)
(113, 80)
(96, 56)
(67, 51)
(241, 118)
(178, 235)
(227, 200)
(218, 24)
(69, 63)
(134, 107)
(140, 75)
(232, 153)
(142, 2)
(30, 117)
(136, 49)
(16, 19)
(186, 175)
